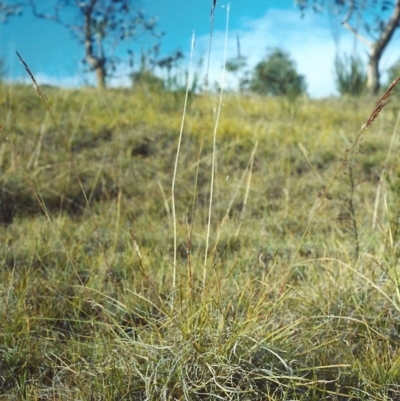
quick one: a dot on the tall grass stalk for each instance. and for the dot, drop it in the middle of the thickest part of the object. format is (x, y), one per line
(226, 335)
(383, 171)
(212, 14)
(73, 166)
(379, 106)
(176, 164)
(246, 173)
(214, 149)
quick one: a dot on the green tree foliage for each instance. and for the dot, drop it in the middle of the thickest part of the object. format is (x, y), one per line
(237, 66)
(350, 75)
(147, 80)
(276, 75)
(9, 9)
(146, 76)
(100, 26)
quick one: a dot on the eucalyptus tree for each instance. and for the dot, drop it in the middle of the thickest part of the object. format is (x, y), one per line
(276, 75)
(100, 26)
(372, 22)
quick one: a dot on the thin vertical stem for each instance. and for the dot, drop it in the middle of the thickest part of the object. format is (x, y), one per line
(176, 165)
(215, 149)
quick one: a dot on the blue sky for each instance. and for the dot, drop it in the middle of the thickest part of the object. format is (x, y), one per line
(54, 56)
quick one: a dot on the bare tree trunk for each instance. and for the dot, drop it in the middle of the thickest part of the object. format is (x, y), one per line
(96, 62)
(377, 47)
(95, 59)
(373, 75)
(101, 77)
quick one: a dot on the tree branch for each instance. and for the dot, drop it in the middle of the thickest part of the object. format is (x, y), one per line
(53, 17)
(387, 33)
(354, 31)
(8, 10)
(357, 34)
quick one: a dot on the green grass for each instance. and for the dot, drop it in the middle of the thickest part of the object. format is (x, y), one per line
(88, 309)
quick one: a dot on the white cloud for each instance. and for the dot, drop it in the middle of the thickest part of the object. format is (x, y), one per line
(45, 79)
(309, 41)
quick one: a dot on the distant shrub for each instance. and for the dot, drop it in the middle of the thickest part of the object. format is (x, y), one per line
(147, 80)
(393, 72)
(350, 75)
(237, 66)
(276, 75)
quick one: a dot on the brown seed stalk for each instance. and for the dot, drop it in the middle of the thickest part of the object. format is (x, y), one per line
(383, 101)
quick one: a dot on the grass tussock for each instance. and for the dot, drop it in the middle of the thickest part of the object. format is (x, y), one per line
(301, 298)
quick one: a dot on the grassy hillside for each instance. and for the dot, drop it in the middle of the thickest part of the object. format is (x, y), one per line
(286, 292)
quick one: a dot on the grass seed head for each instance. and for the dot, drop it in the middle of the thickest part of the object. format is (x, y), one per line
(383, 101)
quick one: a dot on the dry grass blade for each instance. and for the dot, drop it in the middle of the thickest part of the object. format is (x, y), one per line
(71, 159)
(39, 92)
(68, 331)
(380, 105)
(214, 149)
(176, 163)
